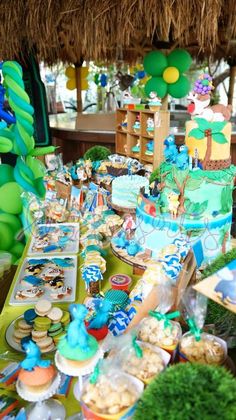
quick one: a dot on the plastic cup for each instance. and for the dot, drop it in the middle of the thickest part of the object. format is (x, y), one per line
(126, 414)
(120, 282)
(5, 260)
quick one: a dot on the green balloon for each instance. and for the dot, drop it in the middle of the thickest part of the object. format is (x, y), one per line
(6, 237)
(180, 88)
(156, 84)
(12, 220)
(181, 59)
(155, 63)
(40, 187)
(10, 199)
(17, 249)
(6, 174)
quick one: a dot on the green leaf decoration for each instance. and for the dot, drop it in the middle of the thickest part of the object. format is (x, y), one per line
(179, 175)
(195, 209)
(219, 138)
(202, 123)
(194, 184)
(226, 200)
(217, 126)
(196, 133)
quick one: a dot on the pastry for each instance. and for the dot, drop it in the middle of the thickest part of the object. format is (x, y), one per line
(61, 292)
(29, 316)
(55, 330)
(38, 335)
(29, 293)
(23, 326)
(208, 350)
(42, 324)
(43, 307)
(55, 315)
(46, 344)
(30, 281)
(36, 375)
(49, 273)
(65, 320)
(33, 269)
(18, 335)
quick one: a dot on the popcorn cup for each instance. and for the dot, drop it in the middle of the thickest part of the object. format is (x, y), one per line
(126, 414)
(120, 282)
(183, 358)
(165, 357)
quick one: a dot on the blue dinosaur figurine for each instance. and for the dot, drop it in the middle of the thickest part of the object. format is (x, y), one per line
(77, 334)
(170, 151)
(103, 308)
(182, 160)
(133, 248)
(33, 359)
(120, 241)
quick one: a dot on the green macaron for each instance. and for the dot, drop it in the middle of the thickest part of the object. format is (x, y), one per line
(42, 323)
(65, 318)
(55, 329)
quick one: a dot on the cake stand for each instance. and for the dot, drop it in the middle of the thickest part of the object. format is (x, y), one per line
(138, 262)
(62, 366)
(42, 408)
(121, 211)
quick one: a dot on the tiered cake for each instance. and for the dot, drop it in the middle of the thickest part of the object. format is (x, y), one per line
(195, 183)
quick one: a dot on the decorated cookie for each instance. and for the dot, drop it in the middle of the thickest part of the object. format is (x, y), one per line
(29, 293)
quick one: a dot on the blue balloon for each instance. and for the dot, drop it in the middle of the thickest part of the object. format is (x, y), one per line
(141, 74)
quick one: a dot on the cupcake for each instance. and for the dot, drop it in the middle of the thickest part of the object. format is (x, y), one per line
(77, 349)
(36, 375)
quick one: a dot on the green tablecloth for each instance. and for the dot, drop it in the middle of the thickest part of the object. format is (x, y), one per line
(10, 313)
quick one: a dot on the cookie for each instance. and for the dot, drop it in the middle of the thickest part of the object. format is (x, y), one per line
(46, 345)
(43, 307)
(29, 316)
(31, 281)
(65, 318)
(55, 329)
(57, 338)
(55, 315)
(24, 326)
(33, 269)
(18, 335)
(38, 335)
(42, 324)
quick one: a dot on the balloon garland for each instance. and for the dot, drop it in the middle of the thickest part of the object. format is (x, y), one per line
(16, 136)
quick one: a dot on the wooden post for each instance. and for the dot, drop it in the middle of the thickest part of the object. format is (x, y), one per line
(164, 106)
(232, 75)
(78, 87)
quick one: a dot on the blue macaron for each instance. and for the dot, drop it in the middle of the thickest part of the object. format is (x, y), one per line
(29, 316)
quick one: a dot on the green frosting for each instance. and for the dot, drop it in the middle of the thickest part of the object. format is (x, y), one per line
(75, 353)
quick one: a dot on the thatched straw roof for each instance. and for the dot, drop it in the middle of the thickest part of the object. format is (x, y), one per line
(107, 29)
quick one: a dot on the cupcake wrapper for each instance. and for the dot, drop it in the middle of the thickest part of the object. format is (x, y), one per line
(63, 367)
(37, 397)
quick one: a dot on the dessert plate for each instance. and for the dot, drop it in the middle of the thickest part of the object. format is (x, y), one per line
(46, 277)
(10, 340)
(55, 238)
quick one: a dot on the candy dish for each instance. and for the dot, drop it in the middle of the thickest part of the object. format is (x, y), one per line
(49, 277)
(55, 238)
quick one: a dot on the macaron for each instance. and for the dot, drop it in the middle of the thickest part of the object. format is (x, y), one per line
(55, 315)
(46, 345)
(23, 326)
(65, 318)
(18, 335)
(42, 323)
(43, 307)
(55, 329)
(29, 316)
(57, 338)
(38, 335)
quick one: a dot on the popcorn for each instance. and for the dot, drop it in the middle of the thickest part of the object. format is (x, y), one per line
(208, 350)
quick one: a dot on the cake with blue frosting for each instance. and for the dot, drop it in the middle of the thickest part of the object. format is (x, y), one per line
(126, 188)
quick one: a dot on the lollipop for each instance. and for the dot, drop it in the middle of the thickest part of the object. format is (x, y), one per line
(20, 104)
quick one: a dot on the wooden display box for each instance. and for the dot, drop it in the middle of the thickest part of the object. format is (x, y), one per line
(127, 138)
(96, 122)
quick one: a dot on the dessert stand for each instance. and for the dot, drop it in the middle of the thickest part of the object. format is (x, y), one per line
(43, 407)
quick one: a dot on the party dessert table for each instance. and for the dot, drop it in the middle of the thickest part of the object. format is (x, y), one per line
(11, 313)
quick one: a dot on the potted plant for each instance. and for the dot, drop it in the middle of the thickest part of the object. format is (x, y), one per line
(189, 391)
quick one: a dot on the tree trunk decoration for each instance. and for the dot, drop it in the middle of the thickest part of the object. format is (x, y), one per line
(181, 188)
(223, 246)
(208, 150)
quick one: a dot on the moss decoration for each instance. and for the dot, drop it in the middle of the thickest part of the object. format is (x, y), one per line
(224, 320)
(97, 153)
(187, 392)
